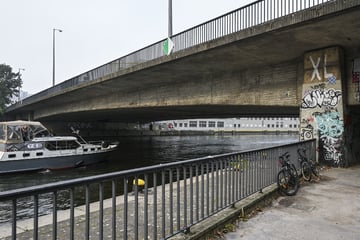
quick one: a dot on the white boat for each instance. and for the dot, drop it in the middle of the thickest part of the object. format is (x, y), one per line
(29, 146)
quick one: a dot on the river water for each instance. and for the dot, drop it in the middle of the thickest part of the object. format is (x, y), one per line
(144, 151)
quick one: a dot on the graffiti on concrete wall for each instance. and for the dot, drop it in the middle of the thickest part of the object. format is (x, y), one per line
(321, 98)
(316, 72)
(321, 105)
(331, 128)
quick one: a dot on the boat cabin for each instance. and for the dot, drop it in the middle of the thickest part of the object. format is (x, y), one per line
(18, 132)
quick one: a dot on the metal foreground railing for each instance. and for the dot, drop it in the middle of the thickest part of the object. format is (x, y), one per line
(256, 13)
(175, 197)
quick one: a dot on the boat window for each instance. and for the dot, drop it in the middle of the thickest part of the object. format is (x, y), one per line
(12, 155)
(51, 146)
(39, 153)
(26, 154)
(13, 133)
(61, 145)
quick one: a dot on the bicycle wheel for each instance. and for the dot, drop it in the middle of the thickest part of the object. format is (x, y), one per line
(287, 182)
(306, 171)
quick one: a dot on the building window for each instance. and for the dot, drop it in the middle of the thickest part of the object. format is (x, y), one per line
(202, 123)
(211, 123)
(180, 124)
(193, 124)
(185, 124)
(220, 124)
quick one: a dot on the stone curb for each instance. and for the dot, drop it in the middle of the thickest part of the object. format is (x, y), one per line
(207, 227)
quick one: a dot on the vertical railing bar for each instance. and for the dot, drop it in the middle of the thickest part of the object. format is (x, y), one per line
(178, 198)
(146, 200)
(13, 223)
(126, 207)
(136, 207)
(215, 186)
(231, 189)
(155, 206)
(54, 215)
(171, 201)
(242, 187)
(197, 192)
(87, 212)
(202, 192)
(185, 196)
(113, 219)
(101, 210)
(72, 214)
(191, 196)
(208, 189)
(219, 184)
(225, 183)
(163, 197)
(36, 216)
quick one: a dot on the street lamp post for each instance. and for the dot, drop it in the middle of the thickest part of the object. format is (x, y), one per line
(170, 19)
(53, 78)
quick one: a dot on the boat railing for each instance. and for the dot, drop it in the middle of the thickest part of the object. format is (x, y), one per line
(145, 203)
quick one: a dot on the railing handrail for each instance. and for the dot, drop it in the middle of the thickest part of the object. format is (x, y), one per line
(246, 17)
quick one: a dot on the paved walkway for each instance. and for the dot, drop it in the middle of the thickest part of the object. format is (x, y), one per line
(329, 209)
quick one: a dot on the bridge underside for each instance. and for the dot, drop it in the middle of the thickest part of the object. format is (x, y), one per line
(149, 114)
(257, 72)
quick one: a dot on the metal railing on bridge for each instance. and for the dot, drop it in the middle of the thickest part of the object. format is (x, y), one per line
(174, 197)
(240, 19)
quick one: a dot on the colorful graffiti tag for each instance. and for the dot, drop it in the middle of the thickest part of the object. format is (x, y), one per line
(331, 129)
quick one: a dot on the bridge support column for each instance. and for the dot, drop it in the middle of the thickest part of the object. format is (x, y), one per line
(322, 106)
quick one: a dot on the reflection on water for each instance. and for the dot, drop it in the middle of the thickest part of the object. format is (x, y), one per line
(132, 153)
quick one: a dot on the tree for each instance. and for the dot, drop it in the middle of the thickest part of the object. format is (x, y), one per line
(10, 83)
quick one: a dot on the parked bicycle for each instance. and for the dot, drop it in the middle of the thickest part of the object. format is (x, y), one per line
(287, 178)
(308, 166)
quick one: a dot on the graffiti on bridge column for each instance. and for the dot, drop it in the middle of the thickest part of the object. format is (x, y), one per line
(321, 104)
(331, 129)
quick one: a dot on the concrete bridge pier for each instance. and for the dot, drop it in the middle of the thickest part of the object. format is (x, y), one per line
(322, 110)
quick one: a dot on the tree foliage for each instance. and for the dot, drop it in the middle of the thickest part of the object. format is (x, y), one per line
(10, 83)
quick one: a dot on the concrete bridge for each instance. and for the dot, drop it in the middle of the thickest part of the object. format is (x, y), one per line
(267, 58)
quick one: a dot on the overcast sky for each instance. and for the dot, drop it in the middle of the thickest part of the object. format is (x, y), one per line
(94, 32)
